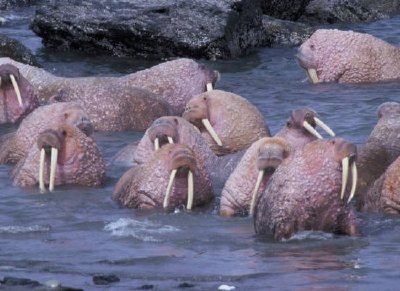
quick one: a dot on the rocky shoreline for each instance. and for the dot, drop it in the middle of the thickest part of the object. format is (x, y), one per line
(211, 29)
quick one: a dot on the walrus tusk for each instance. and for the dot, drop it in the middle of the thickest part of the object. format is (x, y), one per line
(16, 88)
(255, 192)
(41, 171)
(312, 76)
(170, 140)
(156, 144)
(168, 192)
(53, 168)
(324, 126)
(211, 131)
(345, 174)
(354, 182)
(209, 87)
(311, 129)
(190, 191)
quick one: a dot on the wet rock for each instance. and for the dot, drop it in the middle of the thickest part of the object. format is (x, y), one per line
(186, 285)
(334, 11)
(146, 287)
(13, 281)
(284, 33)
(105, 279)
(14, 49)
(153, 29)
(284, 9)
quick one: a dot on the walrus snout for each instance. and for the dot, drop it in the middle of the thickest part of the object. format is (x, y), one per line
(183, 158)
(8, 70)
(162, 132)
(49, 139)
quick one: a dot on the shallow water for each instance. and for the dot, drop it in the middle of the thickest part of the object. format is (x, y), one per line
(76, 233)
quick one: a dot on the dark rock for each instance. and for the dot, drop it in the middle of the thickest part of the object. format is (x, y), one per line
(10, 4)
(152, 29)
(334, 11)
(105, 279)
(146, 287)
(13, 49)
(13, 281)
(186, 285)
(284, 33)
(284, 9)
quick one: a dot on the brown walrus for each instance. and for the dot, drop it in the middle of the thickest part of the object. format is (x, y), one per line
(17, 96)
(306, 192)
(172, 177)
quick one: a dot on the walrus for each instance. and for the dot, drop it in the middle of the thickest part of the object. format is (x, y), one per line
(308, 192)
(17, 96)
(174, 176)
(173, 82)
(251, 175)
(228, 122)
(15, 145)
(381, 149)
(383, 195)
(62, 155)
(300, 128)
(332, 55)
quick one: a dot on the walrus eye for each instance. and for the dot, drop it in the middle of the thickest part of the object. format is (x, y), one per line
(204, 98)
(332, 142)
(289, 124)
(176, 121)
(312, 47)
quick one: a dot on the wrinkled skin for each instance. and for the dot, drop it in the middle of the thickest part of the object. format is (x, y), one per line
(181, 131)
(10, 109)
(304, 193)
(112, 106)
(15, 146)
(381, 149)
(144, 185)
(236, 121)
(79, 160)
(349, 57)
(265, 155)
(173, 82)
(294, 132)
(384, 194)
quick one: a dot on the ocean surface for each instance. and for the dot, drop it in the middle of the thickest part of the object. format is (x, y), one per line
(76, 233)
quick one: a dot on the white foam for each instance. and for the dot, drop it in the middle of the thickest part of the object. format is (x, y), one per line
(142, 230)
(314, 235)
(14, 229)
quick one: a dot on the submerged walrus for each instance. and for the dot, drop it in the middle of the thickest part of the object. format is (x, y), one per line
(173, 82)
(228, 122)
(307, 191)
(172, 177)
(15, 145)
(17, 96)
(251, 175)
(381, 149)
(63, 155)
(300, 128)
(332, 55)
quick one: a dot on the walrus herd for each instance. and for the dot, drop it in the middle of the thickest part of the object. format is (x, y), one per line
(196, 136)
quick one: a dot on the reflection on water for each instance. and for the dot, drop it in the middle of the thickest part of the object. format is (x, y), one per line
(75, 233)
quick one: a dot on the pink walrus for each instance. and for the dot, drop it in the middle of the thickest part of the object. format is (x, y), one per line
(332, 55)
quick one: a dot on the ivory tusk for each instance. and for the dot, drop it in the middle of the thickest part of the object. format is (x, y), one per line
(53, 168)
(312, 76)
(211, 131)
(324, 126)
(156, 144)
(311, 129)
(345, 174)
(170, 140)
(41, 171)
(354, 182)
(255, 192)
(16, 88)
(190, 191)
(168, 192)
(209, 87)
